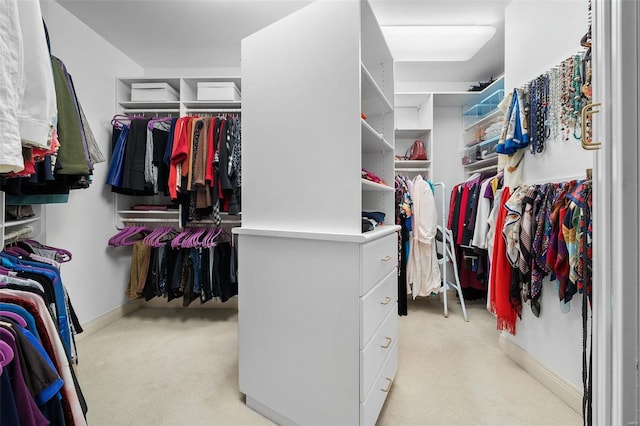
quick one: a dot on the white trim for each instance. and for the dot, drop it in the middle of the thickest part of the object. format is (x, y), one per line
(616, 211)
(107, 318)
(564, 390)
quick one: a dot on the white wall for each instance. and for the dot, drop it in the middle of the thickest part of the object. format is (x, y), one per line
(96, 277)
(554, 339)
(447, 130)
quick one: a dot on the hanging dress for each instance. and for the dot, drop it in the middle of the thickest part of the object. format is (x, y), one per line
(423, 271)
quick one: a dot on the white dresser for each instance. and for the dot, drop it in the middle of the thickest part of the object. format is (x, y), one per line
(317, 327)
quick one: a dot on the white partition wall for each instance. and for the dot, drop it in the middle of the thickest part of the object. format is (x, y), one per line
(318, 296)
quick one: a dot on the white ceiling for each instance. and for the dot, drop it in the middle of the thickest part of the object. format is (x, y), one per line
(207, 33)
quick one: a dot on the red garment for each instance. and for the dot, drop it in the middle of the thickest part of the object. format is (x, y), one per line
(178, 154)
(463, 214)
(562, 266)
(210, 152)
(452, 206)
(501, 270)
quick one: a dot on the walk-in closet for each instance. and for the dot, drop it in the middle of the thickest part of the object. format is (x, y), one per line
(329, 212)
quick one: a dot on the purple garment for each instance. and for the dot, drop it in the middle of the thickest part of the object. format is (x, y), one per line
(28, 410)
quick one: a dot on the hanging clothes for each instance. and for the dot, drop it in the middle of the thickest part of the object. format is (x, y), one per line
(423, 271)
(36, 314)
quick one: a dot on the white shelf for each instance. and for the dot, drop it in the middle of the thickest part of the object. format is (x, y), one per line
(160, 105)
(212, 104)
(373, 141)
(373, 99)
(175, 212)
(21, 222)
(367, 185)
(411, 133)
(487, 118)
(380, 231)
(481, 163)
(459, 99)
(425, 164)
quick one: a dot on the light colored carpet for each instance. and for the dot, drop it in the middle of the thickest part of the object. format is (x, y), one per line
(173, 366)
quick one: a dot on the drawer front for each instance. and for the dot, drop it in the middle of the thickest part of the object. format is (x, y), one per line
(370, 408)
(374, 354)
(377, 259)
(375, 305)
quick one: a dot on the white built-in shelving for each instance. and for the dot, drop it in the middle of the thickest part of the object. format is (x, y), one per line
(414, 121)
(187, 103)
(318, 343)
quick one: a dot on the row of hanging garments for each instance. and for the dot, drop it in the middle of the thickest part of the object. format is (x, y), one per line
(541, 231)
(48, 147)
(469, 208)
(416, 213)
(192, 264)
(38, 385)
(196, 161)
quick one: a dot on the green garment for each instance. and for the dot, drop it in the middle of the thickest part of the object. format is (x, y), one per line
(71, 153)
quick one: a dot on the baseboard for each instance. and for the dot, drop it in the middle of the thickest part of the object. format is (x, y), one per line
(161, 302)
(564, 390)
(104, 320)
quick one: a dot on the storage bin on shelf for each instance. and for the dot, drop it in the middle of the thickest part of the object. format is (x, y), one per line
(153, 92)
(218, 91)
(483, 150)
(477, 112)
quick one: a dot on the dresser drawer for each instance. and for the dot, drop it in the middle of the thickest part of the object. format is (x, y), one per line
(370, 408)
(375, 305)
(373, 355)
(377, 259)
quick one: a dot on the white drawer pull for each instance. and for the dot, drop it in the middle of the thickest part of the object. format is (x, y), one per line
(389, 340)
(388, 385)
(386, 301)
(386, 259)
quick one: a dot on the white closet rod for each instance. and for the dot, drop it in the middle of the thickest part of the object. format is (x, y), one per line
(409, 169)
(556, 180)
(16, 235)
(213, 111)
(484, 169)
(148, 220)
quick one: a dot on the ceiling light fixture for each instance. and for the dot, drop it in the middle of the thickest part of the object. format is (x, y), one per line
(436, 43)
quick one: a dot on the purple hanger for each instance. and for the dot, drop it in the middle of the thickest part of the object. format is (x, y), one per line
(17, 251)
(6, 355)
(14, 316)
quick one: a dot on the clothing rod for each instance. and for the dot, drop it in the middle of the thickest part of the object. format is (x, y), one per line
(15, 235)
(208, 223)
(556, 180)
(148, 220)
(409, 169)
(213, 111)
(484, 169)
(151, 111)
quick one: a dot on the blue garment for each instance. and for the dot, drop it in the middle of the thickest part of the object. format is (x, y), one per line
(31, 322)
(116, 167)
(519, 139)
(53, 389)
(53, 274)
(169, 148)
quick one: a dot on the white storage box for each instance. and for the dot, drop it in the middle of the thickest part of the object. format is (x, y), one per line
(218, 91)
(154, 92)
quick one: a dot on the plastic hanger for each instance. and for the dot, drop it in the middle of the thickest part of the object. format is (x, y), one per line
(131, 238)
(62, 255)
(194, 239)
(211, 240)
(177, 241)
(14, 317)
(6, 355)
